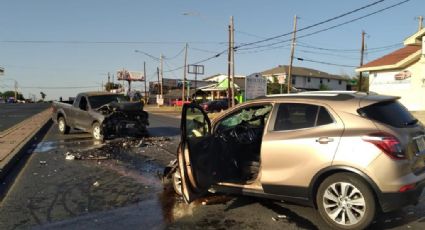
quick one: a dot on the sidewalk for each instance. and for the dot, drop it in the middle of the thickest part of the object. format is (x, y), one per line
(18, 137)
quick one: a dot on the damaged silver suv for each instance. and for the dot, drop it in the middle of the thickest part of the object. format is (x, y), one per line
(347, 154)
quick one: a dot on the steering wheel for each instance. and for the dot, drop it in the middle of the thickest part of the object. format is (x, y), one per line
(244, 134)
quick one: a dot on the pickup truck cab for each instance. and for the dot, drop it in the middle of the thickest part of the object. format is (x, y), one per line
(104, 114)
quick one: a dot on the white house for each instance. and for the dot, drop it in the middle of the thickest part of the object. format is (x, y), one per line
(401, 73)
(308, 79)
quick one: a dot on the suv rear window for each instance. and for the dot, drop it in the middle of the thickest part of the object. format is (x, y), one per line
(390, 112)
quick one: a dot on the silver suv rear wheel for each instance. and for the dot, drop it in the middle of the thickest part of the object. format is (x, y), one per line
(345, 201)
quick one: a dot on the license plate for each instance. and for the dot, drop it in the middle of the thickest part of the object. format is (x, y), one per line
(129, 126)
(420, 143)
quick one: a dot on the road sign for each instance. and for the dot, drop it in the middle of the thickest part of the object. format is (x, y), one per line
(255, 86)
(195, 69)
(281, 78)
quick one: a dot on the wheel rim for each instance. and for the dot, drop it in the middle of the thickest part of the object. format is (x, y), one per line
(61, 125)
(344, 203)
(177, 180)
(96, 132)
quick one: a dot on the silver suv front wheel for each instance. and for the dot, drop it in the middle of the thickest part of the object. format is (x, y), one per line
(345, 201)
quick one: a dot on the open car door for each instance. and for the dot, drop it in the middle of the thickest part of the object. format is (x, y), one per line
(195, 154)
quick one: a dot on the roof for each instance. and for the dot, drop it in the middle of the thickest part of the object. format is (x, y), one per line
(302, 71)
(416, 38)
(220, 74)
(396, 59)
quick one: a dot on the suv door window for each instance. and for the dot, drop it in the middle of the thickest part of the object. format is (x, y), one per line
(291, 116)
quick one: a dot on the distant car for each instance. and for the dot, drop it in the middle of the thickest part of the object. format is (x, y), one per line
(347, 154)
(215, 106)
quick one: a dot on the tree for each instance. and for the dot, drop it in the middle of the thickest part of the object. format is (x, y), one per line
(273, 87)
(43, 95)
(8, 94)
(324, 87)
(110, 86)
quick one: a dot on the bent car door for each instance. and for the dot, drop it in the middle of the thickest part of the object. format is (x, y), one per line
(195, 154)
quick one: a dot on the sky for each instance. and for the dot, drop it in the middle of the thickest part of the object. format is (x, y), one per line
(64, 47)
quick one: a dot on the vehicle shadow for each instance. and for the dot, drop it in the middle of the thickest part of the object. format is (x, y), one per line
(405, 217)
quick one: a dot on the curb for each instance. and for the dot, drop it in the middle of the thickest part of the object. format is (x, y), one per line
(20, 153)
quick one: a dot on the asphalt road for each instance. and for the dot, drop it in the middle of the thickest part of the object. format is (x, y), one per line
(11, 114)
(124, 191)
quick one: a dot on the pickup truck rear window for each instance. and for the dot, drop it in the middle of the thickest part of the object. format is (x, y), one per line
(98, 101)
(390, 112)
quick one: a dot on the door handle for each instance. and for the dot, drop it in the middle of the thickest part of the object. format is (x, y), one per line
(324, 140)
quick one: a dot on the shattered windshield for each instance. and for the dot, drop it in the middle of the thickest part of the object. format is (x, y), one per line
(97, 101)
(253, 115)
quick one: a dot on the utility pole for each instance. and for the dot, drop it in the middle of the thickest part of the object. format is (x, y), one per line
(144, 75)
(233, 61)
(229, 66)
(16, 91)
(420, 19)
(162, 75)
(157, 72)
(184, 75)
(289, 80)
(361, 63)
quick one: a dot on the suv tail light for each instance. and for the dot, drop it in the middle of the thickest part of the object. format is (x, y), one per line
(388, 143)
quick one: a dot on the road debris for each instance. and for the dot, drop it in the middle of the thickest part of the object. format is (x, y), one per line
(96, 184)
(43, 162)
(216, 199)
(69, 156)
(113, 149)
(279, 217)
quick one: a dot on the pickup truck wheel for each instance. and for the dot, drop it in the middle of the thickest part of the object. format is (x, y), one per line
(96, 132)
(63, 128)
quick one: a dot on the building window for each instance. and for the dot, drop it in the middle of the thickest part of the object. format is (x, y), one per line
(293, 81)
(321, 81)
(339, 82)
(309, 79)
(329, 80)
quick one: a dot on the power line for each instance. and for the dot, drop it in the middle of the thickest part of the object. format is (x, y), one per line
(180, 52)
(328, 28)
(347, 50)
(321, 62)
(106, 42)
(314, 25)
(58, 87)
(199, 62)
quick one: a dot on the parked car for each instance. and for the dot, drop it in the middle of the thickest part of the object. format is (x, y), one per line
(104, 114)
(215, 105)
(347, 154)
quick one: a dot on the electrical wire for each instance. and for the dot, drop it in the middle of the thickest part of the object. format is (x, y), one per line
(326, 29)
(321, 62)
(314, 25)
(106, 42)
(175, 56)
(347, 50)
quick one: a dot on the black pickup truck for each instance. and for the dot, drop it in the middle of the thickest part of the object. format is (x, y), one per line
(106, 115)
